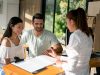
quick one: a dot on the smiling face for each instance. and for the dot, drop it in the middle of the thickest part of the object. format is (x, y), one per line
(38, 25)
(17, 29)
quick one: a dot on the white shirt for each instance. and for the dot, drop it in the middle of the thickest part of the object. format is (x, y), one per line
(38, 44)
(79, 51)
(11, 52)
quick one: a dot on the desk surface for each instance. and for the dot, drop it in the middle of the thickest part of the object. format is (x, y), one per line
(50, 70)
(14, 70)
(95, 62)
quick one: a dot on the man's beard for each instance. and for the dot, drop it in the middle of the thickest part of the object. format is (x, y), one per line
(39, 29)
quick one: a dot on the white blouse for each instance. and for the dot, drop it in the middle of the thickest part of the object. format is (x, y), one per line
(79, 51)
(11, 52)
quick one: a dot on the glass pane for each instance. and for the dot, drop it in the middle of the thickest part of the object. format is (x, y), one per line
(60, 16)
(49, 14)
(74, 4)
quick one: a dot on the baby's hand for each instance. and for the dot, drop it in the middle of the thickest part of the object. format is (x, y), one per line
(52, 52)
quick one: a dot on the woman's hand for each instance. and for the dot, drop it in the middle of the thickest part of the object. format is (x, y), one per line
(58, 63)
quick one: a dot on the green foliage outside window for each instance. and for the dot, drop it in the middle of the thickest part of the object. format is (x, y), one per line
(60, 23)
(74, 4)
(60, 26)
(61, 11)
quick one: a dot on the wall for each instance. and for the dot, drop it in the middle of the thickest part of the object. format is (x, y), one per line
(93, 8)
(10, 8)
(97, 34)
(3, 14)
(27, 9)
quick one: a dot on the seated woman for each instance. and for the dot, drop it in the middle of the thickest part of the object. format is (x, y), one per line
(11, 46)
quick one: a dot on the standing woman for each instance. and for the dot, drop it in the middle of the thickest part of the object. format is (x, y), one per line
(10, 43)
(80, 45)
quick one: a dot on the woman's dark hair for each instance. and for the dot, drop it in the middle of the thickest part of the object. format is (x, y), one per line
(12, 22)
(79, 17)
(38, 16)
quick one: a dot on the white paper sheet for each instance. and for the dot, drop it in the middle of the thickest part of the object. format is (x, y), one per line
(37, 63)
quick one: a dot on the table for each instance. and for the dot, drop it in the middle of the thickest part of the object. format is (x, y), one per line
(95, 62)
(50, 70)
(14, 70)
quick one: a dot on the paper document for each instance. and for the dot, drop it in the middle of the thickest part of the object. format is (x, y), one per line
(36, 63)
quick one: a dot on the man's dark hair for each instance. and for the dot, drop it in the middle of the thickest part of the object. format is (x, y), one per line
(38, 16)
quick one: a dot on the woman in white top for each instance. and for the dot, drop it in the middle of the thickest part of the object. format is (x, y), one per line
(80, 45)
(10, 43)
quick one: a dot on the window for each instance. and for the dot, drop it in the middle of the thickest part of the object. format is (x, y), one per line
(55, 15)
